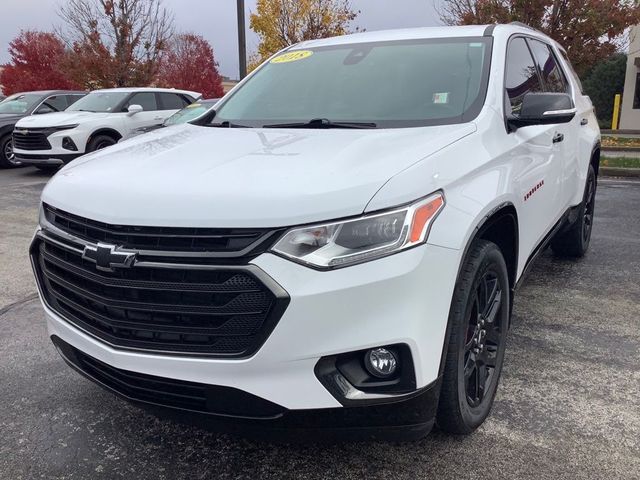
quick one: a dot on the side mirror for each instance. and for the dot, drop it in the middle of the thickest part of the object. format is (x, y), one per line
(133, 109)
(543, 109)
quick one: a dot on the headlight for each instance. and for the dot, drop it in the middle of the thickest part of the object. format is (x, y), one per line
(340, 244)
(64, 127)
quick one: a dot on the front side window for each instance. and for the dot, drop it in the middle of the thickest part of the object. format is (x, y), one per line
(147, 100)
(384, 84)
(54, 103)
(99, 101)
(552, 75)
(19, 104)
(521, 75)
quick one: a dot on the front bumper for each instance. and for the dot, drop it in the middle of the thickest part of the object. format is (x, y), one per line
(46, 159)
(401, 299)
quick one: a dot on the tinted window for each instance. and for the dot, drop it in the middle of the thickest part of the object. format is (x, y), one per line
(552, 76)
(71, 99)
(572, 71)
(172, 101)
(521, 74)
(147, 100)
(55, 103)
(392, 84)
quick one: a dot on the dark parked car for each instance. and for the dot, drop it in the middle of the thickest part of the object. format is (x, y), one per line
(187, 114)
(21, 105)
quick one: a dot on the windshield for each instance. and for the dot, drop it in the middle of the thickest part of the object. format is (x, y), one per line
(190, 112)
(382, 84)
(20, 103)
(104, 102)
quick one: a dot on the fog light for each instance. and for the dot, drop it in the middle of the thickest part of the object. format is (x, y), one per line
(380, 362)
(69, 144)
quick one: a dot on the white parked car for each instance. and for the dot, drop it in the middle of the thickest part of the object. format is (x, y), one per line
(99, 120)
(339, 245)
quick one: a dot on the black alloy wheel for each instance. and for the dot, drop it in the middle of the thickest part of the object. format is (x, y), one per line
(7, 157)
(478, 326)
(483, 339)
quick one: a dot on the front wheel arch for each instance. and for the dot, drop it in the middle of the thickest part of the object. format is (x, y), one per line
(109, 132)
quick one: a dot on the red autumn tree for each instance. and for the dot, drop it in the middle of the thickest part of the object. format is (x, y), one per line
(35, 64)
(590, 30)
(189, 64)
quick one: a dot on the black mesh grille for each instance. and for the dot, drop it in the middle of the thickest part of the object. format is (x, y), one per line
(31, 139)
(219, 240)
(214, 310)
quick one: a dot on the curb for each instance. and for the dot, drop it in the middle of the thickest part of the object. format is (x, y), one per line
(620, 132)
(620, 149)
(619, 172)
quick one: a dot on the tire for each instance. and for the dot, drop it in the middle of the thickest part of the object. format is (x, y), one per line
(478, 325)
(99, 142)
(574, 242)
(7, 158)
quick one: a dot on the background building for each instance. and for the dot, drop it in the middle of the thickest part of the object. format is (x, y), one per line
(630, 115)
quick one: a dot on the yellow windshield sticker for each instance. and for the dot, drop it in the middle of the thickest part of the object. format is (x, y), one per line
(292, 56)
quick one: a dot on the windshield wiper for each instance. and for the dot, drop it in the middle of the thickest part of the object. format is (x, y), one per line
(227, 124)
(83, 110)
(322, 123)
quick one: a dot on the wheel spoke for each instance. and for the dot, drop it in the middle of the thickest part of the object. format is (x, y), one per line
(494, 304)
(482, 381)
(491, 356)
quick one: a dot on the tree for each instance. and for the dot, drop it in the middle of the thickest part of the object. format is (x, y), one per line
(590, 30)
(115, 43)
(35, 64)
(605, 80)
(189, 64)
(280, 23)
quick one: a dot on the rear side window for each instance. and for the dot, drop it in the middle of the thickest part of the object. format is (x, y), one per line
(552, 75)
(521, 75)
(172, 101)
(572, 71)
(147, 100)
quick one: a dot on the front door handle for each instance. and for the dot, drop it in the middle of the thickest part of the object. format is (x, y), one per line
(558, 137)
(584, 121)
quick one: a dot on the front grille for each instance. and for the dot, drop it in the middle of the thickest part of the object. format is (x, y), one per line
(168, 392)
(215, 310)
(222, 242)
(32, 139)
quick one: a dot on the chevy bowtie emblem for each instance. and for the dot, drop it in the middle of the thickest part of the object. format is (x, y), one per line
(23, 132)
(107, 257)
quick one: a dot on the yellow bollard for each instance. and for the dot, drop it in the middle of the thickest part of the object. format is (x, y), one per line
(616, 111)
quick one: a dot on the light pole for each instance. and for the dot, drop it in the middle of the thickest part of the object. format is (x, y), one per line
(242, 40)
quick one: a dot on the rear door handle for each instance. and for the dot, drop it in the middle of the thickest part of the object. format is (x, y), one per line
(584, 121)
(558, 137)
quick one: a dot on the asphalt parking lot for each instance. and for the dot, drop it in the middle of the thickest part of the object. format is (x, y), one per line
(568, 405)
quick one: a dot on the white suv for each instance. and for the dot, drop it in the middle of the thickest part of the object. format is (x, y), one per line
(338, 245)
(99, 120)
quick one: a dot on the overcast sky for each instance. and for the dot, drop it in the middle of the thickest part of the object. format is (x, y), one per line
(216, 21)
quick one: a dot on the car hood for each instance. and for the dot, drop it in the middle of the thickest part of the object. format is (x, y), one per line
(58, 119)
(9, 118)
(226, 177)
